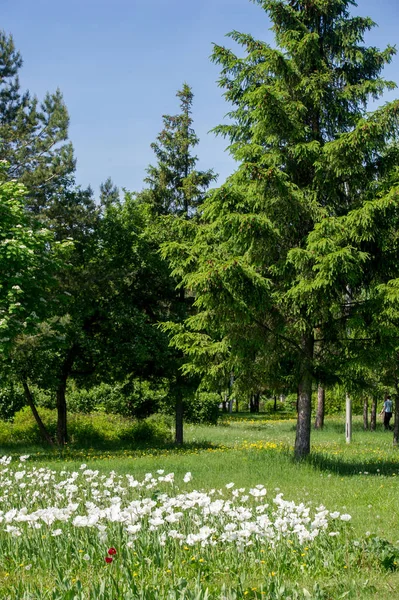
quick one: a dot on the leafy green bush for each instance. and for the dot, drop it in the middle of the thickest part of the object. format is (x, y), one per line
(132, 398)
(202, 408)
(87, 430)
(24, 428)
(103, 397)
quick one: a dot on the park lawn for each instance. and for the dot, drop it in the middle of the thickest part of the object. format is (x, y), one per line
(360, 478)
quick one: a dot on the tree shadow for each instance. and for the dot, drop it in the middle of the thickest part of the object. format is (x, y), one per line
(101, 451)
(337, 465)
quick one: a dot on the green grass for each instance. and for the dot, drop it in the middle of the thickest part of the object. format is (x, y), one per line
(361, 478)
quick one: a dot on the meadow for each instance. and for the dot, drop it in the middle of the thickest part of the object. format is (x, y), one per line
(230, 515)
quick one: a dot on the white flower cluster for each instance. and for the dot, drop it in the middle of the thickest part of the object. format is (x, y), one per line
(39, 497)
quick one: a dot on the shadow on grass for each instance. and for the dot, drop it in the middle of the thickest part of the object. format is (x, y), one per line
(339, 466)
(40, 453)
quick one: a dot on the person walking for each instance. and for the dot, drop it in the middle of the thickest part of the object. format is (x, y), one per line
(387, 412)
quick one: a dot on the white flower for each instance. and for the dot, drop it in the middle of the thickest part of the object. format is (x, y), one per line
(229, 485)
(13, 530)
(345, 517)
(56, 532)
(187, 477)
(86, 557)
(258, 493)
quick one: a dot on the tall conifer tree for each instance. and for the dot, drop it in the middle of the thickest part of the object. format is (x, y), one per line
(176, 187)
(308, 154)
(176, 190)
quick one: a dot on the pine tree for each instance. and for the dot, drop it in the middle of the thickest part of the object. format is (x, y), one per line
(308, 155)
(33, 135)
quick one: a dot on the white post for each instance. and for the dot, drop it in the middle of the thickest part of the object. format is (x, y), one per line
(348, 428)
(230, 393)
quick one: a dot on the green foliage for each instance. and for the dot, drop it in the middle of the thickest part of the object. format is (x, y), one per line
(33, 135)
(29, 261)
(109, 193)
(12, 399)
(87, 430)
(383, 552)
(24, 429)
(290, 242)
(288, 407)
(175, 186)
(335, 401)
(133, 398)
(202, 408)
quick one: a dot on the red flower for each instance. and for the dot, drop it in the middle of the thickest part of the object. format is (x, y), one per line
(108, 559)
(112, 551)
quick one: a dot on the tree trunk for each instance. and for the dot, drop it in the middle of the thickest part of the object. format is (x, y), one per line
(275, 404)
(254, 403)
(179, 419)
(302, 439)
(319, 422)
(373, 415)
(62, 430)
(396, 417)
(42, 428)
(366, 414)
(348, 418)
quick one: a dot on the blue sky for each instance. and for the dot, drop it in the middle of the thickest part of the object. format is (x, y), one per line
(119, 64)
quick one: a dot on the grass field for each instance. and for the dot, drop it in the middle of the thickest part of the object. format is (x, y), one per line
(358, 561)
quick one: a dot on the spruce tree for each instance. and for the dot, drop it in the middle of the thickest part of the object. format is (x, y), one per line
(308, 155)
(109, 193)
(176, 190)
(175, 186)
